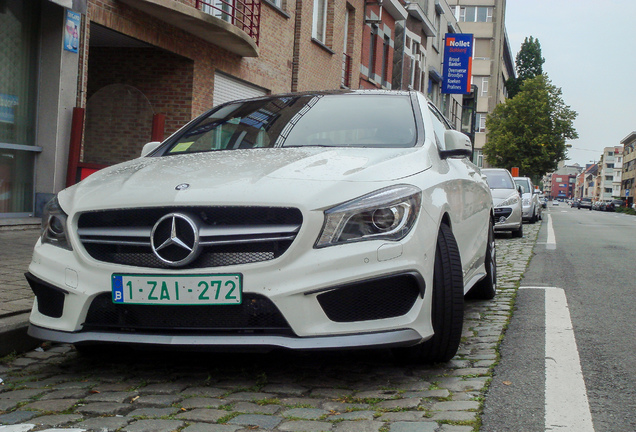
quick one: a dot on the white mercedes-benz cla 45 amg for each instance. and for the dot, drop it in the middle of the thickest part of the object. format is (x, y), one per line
(308, 221)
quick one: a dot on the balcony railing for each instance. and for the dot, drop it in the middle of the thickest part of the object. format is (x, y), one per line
(244, 14)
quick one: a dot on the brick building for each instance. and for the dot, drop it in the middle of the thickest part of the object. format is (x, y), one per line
(86, 83)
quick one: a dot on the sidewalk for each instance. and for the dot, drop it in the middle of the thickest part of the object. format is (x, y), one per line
(17, 238)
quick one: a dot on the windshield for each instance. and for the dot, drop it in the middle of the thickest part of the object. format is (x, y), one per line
(525, 185)
(499, 179)
(348, 120)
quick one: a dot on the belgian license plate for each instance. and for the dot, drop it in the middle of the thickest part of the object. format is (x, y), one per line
(215, 289)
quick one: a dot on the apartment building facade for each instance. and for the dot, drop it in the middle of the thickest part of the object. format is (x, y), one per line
(608, 180)
(86, 83)
(628, 180)
(493, 60)
(419, 54)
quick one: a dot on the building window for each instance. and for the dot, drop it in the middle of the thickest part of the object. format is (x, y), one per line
(319, 30)
(438, 35)
(348, 46)
(482, 84)
(478, 158)
(480, 122)
(385, 60)
(372, 46)
(476, 14)
(433, 91)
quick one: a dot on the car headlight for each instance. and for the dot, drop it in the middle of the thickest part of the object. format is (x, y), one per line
(54, 229)
(512, 200)
(526, 202)
(386, 214)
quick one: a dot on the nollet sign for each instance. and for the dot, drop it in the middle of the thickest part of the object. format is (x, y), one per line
(458, 63)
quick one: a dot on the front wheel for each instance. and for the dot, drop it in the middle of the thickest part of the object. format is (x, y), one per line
(518, 232)
(447, 307)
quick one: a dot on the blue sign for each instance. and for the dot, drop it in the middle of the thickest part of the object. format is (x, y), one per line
(71, 31)
(458, 63)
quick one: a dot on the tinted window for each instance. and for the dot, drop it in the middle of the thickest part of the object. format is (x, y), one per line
(348, 120)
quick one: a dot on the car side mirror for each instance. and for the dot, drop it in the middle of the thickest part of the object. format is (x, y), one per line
(149, 147)
(457, 145)
(520, 189)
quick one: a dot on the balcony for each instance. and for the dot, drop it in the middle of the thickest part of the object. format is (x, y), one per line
(230, 24)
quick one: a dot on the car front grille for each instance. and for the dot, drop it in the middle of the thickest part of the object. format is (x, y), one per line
(502, 211)
(387, 297)
(255, 315)
(228, 235)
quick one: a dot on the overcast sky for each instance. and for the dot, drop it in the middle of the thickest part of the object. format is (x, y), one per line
(589, 48)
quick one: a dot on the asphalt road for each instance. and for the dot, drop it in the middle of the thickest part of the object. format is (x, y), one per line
(589, 255)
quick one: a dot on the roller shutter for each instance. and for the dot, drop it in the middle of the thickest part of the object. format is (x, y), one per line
(227, 88)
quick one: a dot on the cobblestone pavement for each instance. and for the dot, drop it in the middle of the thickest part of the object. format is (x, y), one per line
(54, 388)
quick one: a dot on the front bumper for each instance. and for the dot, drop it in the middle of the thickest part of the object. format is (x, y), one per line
(292, 283)
(507, 218)
(394, 338)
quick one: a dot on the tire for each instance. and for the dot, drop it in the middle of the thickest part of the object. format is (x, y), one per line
(486, 288)
(447, 307)
(534, 217)
(519, 232)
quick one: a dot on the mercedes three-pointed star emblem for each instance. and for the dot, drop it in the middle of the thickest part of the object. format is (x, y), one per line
(175, 239)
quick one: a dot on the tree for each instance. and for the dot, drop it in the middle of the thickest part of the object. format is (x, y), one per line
(529, 65)
(529, 131)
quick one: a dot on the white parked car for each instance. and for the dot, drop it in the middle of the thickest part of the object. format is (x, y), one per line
(506, 200)
(305, 221)
(530, 199)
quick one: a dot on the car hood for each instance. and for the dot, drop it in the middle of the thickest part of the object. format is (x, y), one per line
(240, 176)
(500, 195)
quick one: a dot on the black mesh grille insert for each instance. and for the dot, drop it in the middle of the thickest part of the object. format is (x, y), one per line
(256, 314)
(370, 300)
(50, 299)
(111, 245)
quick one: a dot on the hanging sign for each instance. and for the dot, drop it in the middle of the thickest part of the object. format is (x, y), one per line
(458, 63)
(71, 31)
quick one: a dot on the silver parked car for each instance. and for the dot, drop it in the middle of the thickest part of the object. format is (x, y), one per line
(506, 201)
(530, 199)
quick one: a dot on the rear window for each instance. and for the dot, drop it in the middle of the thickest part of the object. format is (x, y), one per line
(349, 120)
(499, 179)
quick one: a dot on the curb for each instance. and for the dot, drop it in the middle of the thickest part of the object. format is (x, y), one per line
(13, 335)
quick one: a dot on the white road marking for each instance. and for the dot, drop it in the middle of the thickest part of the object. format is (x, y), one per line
(566, 404)
(551, 243)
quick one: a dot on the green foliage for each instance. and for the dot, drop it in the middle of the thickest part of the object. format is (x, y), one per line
(529, 131)
(529, 65)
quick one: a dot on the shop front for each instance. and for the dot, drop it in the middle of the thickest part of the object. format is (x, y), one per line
(18, 83)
